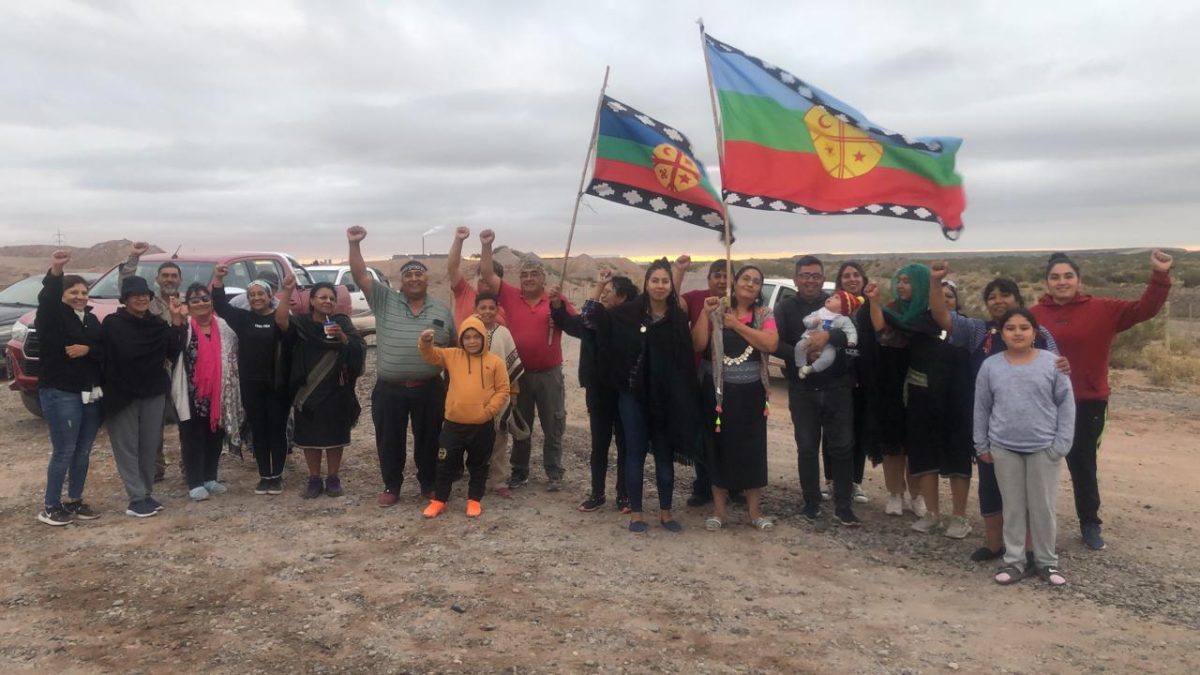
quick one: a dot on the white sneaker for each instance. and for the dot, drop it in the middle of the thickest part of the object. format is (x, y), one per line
(918, 506)
(827, 491)
(860, 496)
(895, 506)
(958, 527)
(215, 488)
(198, 494)
(927, 523)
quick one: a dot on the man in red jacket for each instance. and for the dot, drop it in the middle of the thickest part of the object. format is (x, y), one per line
(1084, 327)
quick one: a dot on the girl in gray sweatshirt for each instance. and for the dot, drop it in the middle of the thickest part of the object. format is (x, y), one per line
(1024, 425)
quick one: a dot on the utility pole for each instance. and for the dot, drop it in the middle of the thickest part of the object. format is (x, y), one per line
(58, 237)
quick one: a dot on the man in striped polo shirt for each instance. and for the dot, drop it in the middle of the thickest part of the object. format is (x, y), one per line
(407, 387)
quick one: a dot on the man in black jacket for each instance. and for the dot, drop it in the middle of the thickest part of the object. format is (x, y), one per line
(822, 403)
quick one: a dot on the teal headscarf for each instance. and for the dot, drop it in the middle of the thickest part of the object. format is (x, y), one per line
(906, 311)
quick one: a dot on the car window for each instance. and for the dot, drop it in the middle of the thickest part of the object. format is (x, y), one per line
(768, 290)
(238, 276)
(109, 286)
(23, 293)
(328, 276)
(303, 278)
(268, 266)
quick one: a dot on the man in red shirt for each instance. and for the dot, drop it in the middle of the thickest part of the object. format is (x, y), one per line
(464, 292)
(527, 311)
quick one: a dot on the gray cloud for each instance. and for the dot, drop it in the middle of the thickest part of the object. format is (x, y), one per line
(276, 124)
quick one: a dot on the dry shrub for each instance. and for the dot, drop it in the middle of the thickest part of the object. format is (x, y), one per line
(1178, 365)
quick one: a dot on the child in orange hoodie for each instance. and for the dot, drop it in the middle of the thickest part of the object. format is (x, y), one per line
(478, 391)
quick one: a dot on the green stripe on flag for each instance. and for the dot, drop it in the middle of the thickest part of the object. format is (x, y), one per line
(761, 120)
(631, 152)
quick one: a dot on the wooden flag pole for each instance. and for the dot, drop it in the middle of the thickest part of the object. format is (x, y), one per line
(587, 163)
(712, 95)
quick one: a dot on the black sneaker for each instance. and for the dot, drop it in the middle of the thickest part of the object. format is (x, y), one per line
(515, 481)
(984, 554)
(264, 485)
(592, 503)
(846, 517)
(812, 511)
(55, 515)
(141, 509)
(699, 499)
(275, 486)
(80, 511)
(157, 505)
(1091, 536)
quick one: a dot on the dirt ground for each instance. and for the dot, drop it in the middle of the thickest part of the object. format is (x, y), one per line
(249, 584)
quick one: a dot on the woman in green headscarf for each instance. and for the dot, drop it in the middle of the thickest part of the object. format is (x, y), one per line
(912, 323)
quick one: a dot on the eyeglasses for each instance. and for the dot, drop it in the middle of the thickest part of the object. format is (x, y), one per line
(810, 276)
(199, 299)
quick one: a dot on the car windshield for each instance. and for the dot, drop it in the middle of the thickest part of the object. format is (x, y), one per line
(109, 286)
(328, 276)
(23, 293)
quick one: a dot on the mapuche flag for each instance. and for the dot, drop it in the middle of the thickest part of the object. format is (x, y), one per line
(644, 163)
(791, 147)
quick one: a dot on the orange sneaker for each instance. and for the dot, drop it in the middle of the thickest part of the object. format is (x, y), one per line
(434, 509)
(474, 508)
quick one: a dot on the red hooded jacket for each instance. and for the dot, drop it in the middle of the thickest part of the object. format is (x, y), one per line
(1084, 329)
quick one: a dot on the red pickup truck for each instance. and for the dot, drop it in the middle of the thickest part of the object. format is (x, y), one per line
(22, 350)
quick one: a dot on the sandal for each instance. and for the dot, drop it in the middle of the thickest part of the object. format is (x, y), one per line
(713, 523)
(637, 526)
(763, 524)
(1009, 574)
(1051, 575)
(671, 526)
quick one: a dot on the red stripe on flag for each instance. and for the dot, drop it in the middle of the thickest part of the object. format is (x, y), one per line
(643, 177)
(751, 169)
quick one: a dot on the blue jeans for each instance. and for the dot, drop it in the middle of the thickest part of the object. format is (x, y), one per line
(635, 422)
(73, 428)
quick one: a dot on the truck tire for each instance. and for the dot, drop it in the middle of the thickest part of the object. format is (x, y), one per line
(32, 403)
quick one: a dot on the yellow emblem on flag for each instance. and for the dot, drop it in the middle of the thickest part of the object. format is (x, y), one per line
(673, 169)
(845, 151)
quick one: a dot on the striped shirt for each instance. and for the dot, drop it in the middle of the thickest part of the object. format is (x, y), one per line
(397, 330)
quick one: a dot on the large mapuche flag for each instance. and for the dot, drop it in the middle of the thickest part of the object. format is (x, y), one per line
(790, 146)
(644, 163)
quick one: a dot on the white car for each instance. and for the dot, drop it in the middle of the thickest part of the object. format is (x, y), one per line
(775, 289)
(339, 275)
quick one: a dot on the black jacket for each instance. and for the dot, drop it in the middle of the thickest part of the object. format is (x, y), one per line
(261, 356)
(573, 325)
(136, 354)
(59, 326)
(789, 321)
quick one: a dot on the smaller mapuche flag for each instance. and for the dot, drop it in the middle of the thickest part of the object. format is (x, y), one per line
(644, 163)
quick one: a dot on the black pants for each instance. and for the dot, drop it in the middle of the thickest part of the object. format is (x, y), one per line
(473, 440)
(605, 422)
(1090, 417)
(392, 405)
(858, 450)
(201, 451)
(827, 413)
(266, 413)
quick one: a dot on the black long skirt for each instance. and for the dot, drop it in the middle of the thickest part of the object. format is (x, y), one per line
(737, 457)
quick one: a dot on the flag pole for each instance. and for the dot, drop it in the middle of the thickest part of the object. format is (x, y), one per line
(587, 162)
(712, 95)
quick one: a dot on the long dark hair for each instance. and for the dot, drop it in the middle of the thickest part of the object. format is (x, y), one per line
(1056, 258)
(673, 298)
(738, 275)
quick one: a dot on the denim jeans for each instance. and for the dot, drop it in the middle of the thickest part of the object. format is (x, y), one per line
(635, 421)
(73, 427)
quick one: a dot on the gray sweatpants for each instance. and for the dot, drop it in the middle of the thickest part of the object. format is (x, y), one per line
(1029, 485)
(545, 392)
(136, 433)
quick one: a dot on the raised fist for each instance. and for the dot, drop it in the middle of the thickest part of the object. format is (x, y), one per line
(487, 237)
(220, 271)
(139, 248)
(427, 336)
(711, 303)
(289, 283)
(59, 259)
(683, 262)
(462, 233)
(939, 270)
(1161, 262)
(356, 233)
(604, 276)
(872, 291)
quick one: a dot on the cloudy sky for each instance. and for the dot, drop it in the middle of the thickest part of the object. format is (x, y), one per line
(275, 124)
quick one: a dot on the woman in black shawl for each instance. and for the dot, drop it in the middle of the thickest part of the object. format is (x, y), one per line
(328, 356)
(645, 348)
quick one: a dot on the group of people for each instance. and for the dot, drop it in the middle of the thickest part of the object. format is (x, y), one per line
(909, 382)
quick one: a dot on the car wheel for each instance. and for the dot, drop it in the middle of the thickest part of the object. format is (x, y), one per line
(32, 403)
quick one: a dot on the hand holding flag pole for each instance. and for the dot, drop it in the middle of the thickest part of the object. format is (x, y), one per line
(712, 94)
(587, 162)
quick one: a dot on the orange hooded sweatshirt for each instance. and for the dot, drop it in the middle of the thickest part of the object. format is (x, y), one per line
(478, 382)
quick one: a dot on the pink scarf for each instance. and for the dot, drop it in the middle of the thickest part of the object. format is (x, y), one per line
(207, 377)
